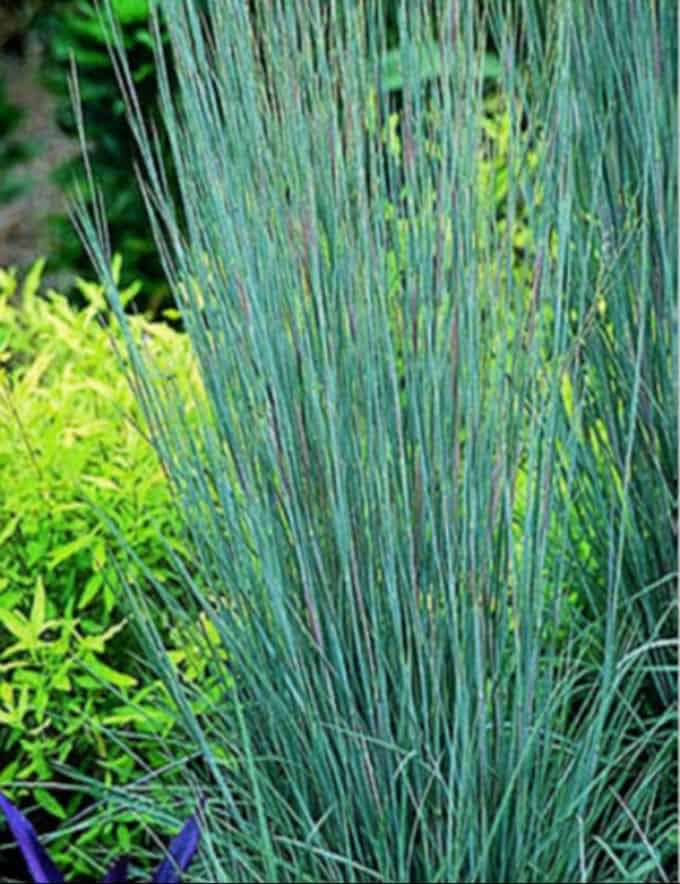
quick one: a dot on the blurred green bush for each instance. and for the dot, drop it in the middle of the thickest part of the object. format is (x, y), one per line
(71, 456)
(13, 150)
(74, 30)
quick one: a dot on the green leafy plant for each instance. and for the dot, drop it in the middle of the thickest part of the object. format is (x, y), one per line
(55, 446)
(75, 474)
(379, 492)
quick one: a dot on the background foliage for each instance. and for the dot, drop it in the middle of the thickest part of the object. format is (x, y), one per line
(13, 151)
(75, 31)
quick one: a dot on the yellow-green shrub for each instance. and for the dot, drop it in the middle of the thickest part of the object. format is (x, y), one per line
(71, 451)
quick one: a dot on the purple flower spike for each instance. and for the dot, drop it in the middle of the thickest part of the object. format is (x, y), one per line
(118, 873)
(181, 852)
(40, 866)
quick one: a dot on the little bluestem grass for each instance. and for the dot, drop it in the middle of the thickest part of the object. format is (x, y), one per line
(432, 586)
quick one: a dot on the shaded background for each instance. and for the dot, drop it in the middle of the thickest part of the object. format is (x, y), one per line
(39, 155)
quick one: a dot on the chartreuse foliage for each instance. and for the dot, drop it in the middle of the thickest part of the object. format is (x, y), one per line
(380, 491)
(75, 467)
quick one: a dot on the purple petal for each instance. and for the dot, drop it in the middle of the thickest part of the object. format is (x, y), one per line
(181, 852)
(118, 873)
(40, 866)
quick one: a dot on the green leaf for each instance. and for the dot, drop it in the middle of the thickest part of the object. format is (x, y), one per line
(60, 680)
(123, 837)
(62, 553)
(130, 11)
(8, 773)
(18, 626)
(38, 608)
(32, 282)
(9, 529)
(90, 590)
(107, 674)
(49, 803)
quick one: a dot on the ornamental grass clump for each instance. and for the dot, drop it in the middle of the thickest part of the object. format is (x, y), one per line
(398, 361)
